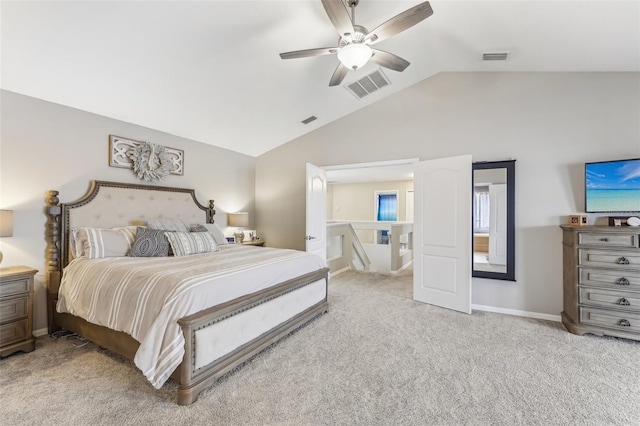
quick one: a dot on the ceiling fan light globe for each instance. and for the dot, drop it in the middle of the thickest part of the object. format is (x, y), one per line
(355, 55)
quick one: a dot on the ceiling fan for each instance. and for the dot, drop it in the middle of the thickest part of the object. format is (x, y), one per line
(353, 48)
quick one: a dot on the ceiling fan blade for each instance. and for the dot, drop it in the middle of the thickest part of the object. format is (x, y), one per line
(389, 60)
(338, 75)
(401, 22)
(309, 52)
(339, 16)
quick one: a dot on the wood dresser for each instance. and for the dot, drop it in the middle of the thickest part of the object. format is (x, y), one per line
(16, 310)
(601, 280)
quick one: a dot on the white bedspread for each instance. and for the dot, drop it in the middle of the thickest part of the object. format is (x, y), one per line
(144, 297)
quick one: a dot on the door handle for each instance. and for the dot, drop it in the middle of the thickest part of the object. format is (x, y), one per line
(309, 237)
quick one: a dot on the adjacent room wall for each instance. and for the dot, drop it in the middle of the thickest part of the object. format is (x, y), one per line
(356, 201)
(46, 146)
(551, 123)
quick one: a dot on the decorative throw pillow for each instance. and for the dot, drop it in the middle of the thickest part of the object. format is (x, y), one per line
(188, 243)
(198, 228)
(95, 243)
(213, 229)
(168, 224)
(150, 243)
(74, 244)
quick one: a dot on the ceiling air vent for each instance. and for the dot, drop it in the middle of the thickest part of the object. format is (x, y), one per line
(309, 119)
(494, 56)
(368, 84)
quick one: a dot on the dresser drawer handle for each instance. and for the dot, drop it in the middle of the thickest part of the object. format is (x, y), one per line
(624, 302)
(623, 261)
(622, 281)
(604, 239)
(624, 323)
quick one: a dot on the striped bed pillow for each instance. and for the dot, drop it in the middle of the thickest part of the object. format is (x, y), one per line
(188, 243)
(214, 229)
(95, 243)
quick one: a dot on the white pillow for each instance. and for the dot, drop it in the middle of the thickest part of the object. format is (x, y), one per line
(95, 243)
(215, 230)
(188, 243)
(168, 224)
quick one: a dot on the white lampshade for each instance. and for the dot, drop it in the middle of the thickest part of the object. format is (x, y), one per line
(6, 223)
(354, 55)
(240, 219)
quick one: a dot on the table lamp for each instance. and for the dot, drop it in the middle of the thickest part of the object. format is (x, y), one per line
(239, 220)
(6, 225)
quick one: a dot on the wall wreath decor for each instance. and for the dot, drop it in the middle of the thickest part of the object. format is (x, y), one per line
(131, 154)
(151, 163)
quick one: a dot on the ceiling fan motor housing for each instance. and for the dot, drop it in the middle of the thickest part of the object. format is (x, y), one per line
(358, 36)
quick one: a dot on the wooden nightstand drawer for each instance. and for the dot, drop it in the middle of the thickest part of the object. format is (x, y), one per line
(14, 286)
(13, 309)
(13, 332)
(16, 309)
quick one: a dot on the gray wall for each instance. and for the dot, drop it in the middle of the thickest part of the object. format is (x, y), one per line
(357, 201)
(551, 123)
(47, 146)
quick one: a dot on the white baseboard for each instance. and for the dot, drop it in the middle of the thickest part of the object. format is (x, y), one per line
(40, 332)
(405, 266)
(517, 313)
(333, 274)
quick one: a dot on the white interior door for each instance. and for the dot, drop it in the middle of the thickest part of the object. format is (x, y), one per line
(442, 233)
(316, 211)
(498, 224)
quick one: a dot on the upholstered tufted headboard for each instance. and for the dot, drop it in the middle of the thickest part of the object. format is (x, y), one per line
(110, 204)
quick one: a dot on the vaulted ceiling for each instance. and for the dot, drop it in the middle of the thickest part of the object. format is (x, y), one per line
(210, 70)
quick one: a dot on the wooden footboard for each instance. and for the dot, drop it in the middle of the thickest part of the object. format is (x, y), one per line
(195, 378)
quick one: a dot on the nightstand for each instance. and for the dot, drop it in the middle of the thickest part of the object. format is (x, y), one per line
(16, 310)
(253, 243)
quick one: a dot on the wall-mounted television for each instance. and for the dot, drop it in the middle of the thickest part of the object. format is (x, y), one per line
(612, 186)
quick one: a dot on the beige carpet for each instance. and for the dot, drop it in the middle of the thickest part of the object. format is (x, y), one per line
(377, 358)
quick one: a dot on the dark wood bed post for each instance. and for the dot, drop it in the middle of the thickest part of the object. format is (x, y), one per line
(54, 255)
(211, 211)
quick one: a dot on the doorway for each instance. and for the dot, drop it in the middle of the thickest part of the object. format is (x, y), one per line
(445, 183)
(367, 204)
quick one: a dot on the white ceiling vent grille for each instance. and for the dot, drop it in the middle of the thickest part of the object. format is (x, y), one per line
(494, 56)
(368, 84)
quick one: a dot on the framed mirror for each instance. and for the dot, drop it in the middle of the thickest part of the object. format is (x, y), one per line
(493, 220)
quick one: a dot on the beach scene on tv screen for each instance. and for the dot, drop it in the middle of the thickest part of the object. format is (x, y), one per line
(613, 186)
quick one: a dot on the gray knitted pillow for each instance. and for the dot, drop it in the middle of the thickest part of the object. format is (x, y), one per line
(149, 243)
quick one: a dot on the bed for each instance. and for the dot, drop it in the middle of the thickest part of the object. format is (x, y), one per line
(239, 300)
